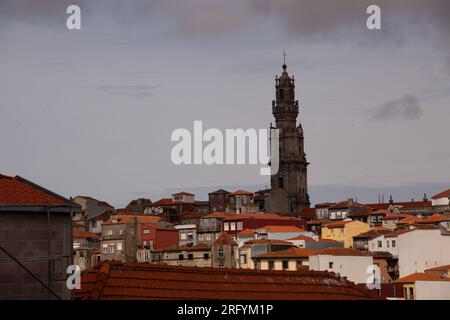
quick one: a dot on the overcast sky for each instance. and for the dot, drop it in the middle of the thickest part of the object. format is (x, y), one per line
(91, 111)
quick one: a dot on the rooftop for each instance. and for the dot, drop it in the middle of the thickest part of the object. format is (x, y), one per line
(133, 281)
(342, 252)
(15, 191)
(443, 194)
(419, 276)
(281, 229)
(293, 252)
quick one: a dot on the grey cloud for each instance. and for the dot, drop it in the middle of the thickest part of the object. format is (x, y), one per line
(406, 107)
(135, 91)
(306, 17)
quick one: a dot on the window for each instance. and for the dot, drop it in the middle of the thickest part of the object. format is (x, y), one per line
(285, 265)
(387, 243)
(226, 226)
(271, 265)
(330, 265)
(146, 231)
(232, 226)
(180, 257)
(206, 256)
(221, 253)
(380, 244)
(112, 248)
(200, 237)
(240, 225)
(109, 232)
(243, 258)
(190, 256)
(105, 248)
(119, 247)
(280, 183)
(183, 236)
(145, 243)
(393, 243)
(190, 235)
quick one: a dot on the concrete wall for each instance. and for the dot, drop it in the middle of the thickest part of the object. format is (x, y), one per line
(432, 290)
(352, 267)
(386, 245)
(419, 250)
(26, 235)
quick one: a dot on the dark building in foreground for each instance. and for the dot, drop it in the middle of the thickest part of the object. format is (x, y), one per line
(114, 280)
(35, 231)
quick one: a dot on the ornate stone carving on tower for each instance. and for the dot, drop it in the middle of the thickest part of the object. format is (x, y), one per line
(289, 192)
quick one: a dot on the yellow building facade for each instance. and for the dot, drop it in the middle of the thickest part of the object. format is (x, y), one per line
(344, 231)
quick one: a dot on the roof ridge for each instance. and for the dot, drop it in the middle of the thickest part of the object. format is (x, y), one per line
(102, 277)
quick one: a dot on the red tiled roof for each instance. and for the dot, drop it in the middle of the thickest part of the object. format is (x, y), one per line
(409, 219)
(338, 224)
(373, 233)
(381, 212)
(83, 235)
(121, 281)
(225, 239)
(342, 252)
(281, 229)
(395, 233)
(241, 192)
(440, 268)
(19, 191)
(162, 202)
(183, 194)
(419, 276)
(247, 232)
(220, 215)
(242, 216)
(443, 194)
(323, 221)
(436, 218)
(395, 216)
(293, 252)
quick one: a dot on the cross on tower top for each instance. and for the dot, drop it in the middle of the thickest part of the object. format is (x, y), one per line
(284, 60)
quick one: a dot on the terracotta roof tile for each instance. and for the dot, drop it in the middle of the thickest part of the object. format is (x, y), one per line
(282, 229)
(440, 268)
(432, 276)
(443, 194)
(19, 191)
(241, 192)
(114, 280)
(84, 235)
(293, 252)
(225, 239)
(342, 252)
(183, 194)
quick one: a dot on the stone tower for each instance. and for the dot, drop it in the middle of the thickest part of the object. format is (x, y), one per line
(289, 192)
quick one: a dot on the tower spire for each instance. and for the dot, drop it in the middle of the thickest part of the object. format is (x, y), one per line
(284, 60)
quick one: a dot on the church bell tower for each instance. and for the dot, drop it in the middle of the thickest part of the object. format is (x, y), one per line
(289, 189)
